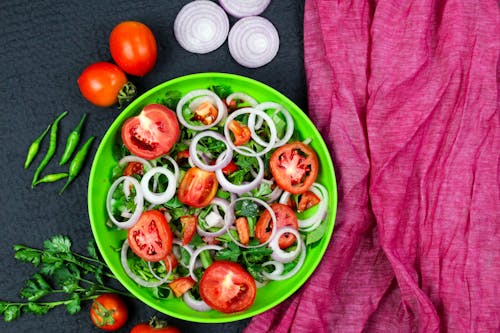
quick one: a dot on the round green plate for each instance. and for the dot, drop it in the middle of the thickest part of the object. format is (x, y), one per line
(109, 240)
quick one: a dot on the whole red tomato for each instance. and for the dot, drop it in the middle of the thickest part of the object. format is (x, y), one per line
(133, 47)
(154, 326)
(109, 312)
(104, 84)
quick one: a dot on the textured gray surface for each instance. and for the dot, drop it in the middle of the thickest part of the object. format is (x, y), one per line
(44, 45)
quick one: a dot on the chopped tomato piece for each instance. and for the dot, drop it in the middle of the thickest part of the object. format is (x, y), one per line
(230, 168)
(285, 217)
(241, 132)
(206, 112)
(171, 261)
(133, 168)
(180, 285)
(243, 230)
(188, 223)
(307, 200)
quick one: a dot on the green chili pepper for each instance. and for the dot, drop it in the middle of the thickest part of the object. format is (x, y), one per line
(53, 177)
(72, 141)
(52, 148)
(77, 163)
(35, 146)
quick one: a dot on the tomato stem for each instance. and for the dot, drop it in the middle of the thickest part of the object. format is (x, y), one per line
(126, 94)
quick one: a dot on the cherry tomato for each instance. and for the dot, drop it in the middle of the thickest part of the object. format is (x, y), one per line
(152, 133)
(294, 167)
(227, 287)
(285, 217)
(151, 238)
(109, 312)
(182, 284)
(154, 326)
(104, 84)
(241, 132)
(188, 223)
(133, 47)
(197, 188)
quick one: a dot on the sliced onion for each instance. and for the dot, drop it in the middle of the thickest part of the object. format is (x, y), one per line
(188, 248)
(197, 305)
(174, 164)
(241, 96)
(201, 26)
(195, 255)
(273, 276)
(253, 124)
(195, 103)
(241, 149)
(156, 275)
(224, 204)
(137, 279)
(242, 188)
(159, 198)
(133, 158)
(281, 255)
(221, 108)
(139, 202)
(253, 41)
(220, 163)
(242, 8)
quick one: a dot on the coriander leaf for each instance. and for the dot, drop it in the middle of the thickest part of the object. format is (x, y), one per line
(3, 306)
(58, 243)
(38, 309)
(221, 90)
(73, 306)
(99, 273)
(12, 312)
(26, 254)
(171, 99)
(35, 288)
(91, 249)
(231, 252)
(67, 277)
(50, 262)
(247, 208)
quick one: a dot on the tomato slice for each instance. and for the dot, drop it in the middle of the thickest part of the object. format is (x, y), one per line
(307, 200)
(152, 133)
(294, 167)
(241, 132)
(188, 223)
(197, 188)
(285, 217)
(151, 238)
(243, 230)
(133, 168)
(227, 287)
(182, 284)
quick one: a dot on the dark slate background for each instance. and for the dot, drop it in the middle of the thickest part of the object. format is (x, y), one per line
(44, 46)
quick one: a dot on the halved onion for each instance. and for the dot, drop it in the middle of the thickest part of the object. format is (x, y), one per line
(221, 108)
(195, 255)
(281, 255)
(201, 26)
(159, 198)
(220, 163)
(242, 8)
(139, 202)
(253, 41)
(278, 276)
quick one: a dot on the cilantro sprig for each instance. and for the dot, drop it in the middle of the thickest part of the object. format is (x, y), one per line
(64, 278)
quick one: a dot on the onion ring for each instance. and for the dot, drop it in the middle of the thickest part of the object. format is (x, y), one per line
(139, 201)
(197, 305)
(241, 96)
(224, 204)
(280, 255)
(242, 188)
(196, 253)
(252, 124)
(159, 198)
(221, 109)
(272, 276)
(220, 164)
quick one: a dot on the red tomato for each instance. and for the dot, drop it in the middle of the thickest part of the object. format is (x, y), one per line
(133, 168)
(243, 230)
(294, 167)
(206, 112)
(133, 47)
(182, 284)
(285, 217)
(109, 312)
(102, 82)
(227, 287)
(197, 188)
(151, 238)
(152, 133)
(241, 132)
(230, 168)
(307, 200)
(155, 326)
(188, 223)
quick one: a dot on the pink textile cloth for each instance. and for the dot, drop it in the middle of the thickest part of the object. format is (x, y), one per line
(406, 95)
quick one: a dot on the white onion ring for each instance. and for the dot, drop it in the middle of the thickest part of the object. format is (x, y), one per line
(195, 103)
(219, 164)
(224, 204)
(248, 152)
(281, 255)
(159, 198)
(197, 305)
(139, 201)
(133, 158)
(241, 96)
(155, 275)
(290, 126)
(185, 247)
(201, 26)
(273, 276)
(137, 279)
(221, 108)
(242, 188)
(196, 253)
(174, 165)
(242, 8)
(253, 41)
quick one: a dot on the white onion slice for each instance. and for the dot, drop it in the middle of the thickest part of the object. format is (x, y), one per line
(139, 201)
(156, 275)
(253, 124)
(219, 164)
(241, 96)
(242, 188)
(241, 149)
(273, 276)
(133, 158)
(221, 108)
(253, 41)
(188, 248)
(242, 8)
(174, 164)
(201, 26)
(281, 255)
(195, 103)
(137, 279)
(224, 204)
(159, 198)
(197, 305)
(196, 253)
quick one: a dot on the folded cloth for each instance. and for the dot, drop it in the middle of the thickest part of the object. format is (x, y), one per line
(406, 95)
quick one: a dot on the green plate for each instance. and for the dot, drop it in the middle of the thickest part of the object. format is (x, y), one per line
(109, 240)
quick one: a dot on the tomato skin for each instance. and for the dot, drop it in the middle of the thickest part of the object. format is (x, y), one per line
(188, 223)
(133, 47)
(101, 82)
(243, 230)
(285, 217)
(147, 328)
(227, 287)
(307, 200)
(152, 133)
(108, 312)
(182, 284)
(151, 238)
(241, 132)
(294, 167)
(197, 188)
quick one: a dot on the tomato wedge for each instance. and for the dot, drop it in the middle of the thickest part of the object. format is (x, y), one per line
(294, 167)
(151, 238)
(241, 132)
(285, 217)
(307, 200)
(182, 284)
(152, 133)
(197, 188)
(188, 223)
(227, 287)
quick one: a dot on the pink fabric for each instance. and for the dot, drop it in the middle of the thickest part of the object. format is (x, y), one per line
(406, 95)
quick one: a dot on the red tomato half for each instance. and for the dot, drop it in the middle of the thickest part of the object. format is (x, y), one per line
(285, 217)
(294, 167)
(108, 312)
(227, 287)
(197, 188)
(153, 327)
(151, 238)
(133, 47)
(152, 133)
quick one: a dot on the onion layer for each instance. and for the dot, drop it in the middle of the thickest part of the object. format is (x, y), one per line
(284, 256)
(242, 8)
(193, 152)
(242, 188)
(224, 204)
(195, 255)
(139, 202)
(221, 109)
(159, 198)
(197, 305)
(279, 276)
